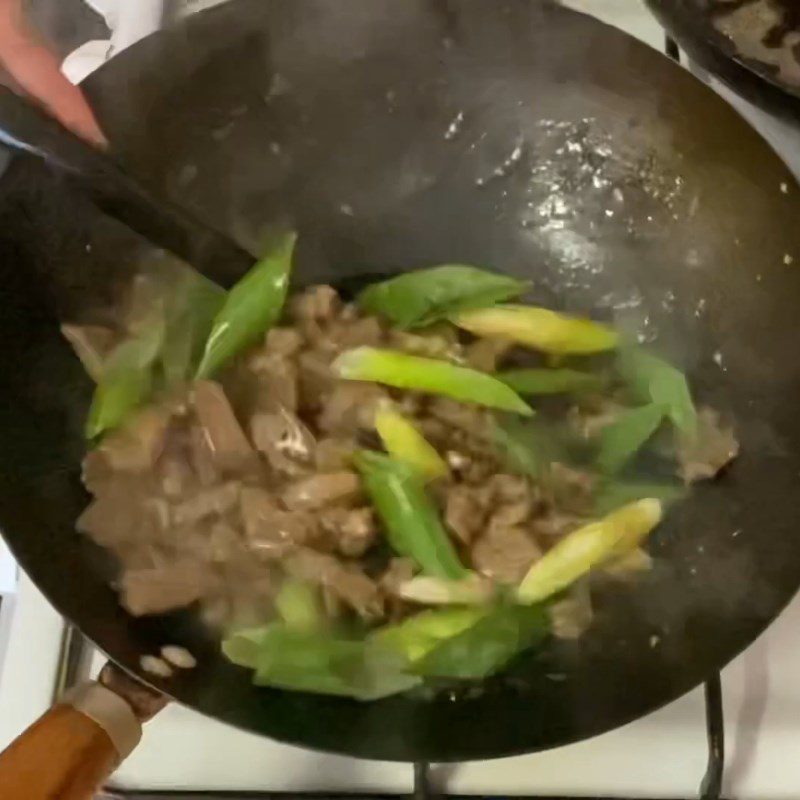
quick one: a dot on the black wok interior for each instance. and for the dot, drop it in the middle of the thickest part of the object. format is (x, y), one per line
(394, 135)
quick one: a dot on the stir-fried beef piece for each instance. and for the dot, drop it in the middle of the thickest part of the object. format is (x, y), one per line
(464, 513)
(505, 553)
(224, 435)
(163, 588)
(352, 530)
(271, 530)
(319, 491)
(344, 580)
(350, 408)
(712, 448)
(285, 441)
(278, 381)
(333, 455)
(206, 503)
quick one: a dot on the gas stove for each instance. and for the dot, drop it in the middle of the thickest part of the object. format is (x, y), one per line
(669, 754)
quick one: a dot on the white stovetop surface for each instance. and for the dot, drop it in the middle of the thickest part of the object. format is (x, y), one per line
(663, 755)
(660, 756)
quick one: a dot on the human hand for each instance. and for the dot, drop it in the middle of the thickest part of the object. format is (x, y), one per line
(37, 72)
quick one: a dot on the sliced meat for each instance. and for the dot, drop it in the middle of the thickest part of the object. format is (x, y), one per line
(161, 589)
(96, 472)
(175, 475)
(410, 403)
(106, 523)
(315, 381)
(438, 344)
(286, 442)
(225, 543)
(554, 524)
(703, 456)
(435, 431)
(333, 455)
(277, 381)
(345, 581)
(271, 530)
(242, 595)
(507, 488)
(464, 514)
(136, 445)
(284, 341)
(511, 514)
(399, 571)
(593, 414)
(505, 554)
(223, 433)
(458, 415)
(350, 408)
(365, 332)
(202, 458)
(205, 503)
(570, 489)
(471, 468)
(352, 531)
(319, 303)
(322, 490)
(119, 516)
(213, 542)
(485, 354)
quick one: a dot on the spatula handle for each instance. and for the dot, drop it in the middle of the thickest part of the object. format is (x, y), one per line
(70, 751)
(29, 129)
(65, 755)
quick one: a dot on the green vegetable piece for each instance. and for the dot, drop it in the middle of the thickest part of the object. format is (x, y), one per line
(611, 495)
(623, 438)
(314, 661)
(403, 371)
(243, 647)
(191, 310)
(539, 328)
(551, 381)
(127, 380)
(299, 661)
(411, 520)
(426, 590)
(517, 449)
(651, 379)
(588, 547)
(487, 646)
(296, 660)
(252, 306)
(425, 296)
(528, 447)
(418, 635)
(298, 605)
(405, 443)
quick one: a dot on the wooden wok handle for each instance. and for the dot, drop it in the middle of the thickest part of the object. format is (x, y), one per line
(70, 751)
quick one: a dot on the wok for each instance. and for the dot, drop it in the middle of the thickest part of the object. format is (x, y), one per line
(691, 24)
(395, 135)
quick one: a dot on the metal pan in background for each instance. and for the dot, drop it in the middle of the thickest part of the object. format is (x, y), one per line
(691, 24)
